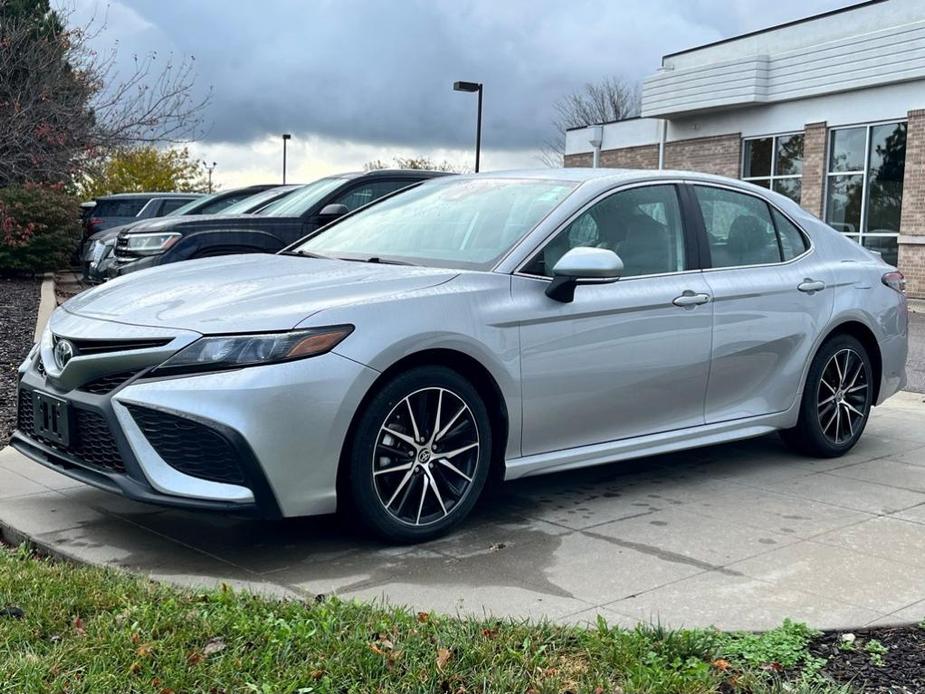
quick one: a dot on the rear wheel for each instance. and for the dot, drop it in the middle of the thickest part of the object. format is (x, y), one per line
(420, 455)
(836, 400)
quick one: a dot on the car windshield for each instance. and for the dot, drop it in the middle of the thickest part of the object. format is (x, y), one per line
(192, 205)
(453, 222)
(300, 202)
(258, 200)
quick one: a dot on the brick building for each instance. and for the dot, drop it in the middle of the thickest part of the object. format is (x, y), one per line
(828, 110)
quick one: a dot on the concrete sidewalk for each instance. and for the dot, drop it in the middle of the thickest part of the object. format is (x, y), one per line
(737, 536)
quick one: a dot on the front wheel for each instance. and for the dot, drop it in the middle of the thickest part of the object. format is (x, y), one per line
(836, 400)
(420, 455)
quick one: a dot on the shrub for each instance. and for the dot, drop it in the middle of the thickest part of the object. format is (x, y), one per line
(39, 228)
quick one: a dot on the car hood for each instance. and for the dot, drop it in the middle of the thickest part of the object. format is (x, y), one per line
(246, 293)
(187, 220)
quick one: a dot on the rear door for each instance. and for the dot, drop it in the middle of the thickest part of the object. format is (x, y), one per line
(771, 298)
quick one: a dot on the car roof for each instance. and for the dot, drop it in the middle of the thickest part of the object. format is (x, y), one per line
(123, 196)
(416, 174)
(607, 176)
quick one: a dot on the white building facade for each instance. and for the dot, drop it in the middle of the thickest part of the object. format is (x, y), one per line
(829, 110)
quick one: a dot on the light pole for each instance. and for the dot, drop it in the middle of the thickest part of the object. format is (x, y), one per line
(210, 169)
(286, 138)
(474, 87)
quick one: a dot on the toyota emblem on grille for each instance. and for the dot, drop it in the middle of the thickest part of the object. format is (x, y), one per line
(64, 351)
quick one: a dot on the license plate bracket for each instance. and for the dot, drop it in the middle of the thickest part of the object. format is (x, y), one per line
(51, 418)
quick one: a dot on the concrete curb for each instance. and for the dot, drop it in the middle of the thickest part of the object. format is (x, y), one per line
(47, 304)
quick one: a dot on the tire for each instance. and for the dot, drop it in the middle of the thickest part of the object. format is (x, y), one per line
(836, 402)
(400, 487)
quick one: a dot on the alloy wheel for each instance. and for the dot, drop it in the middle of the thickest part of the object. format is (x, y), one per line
(425, 457)
(843, 397)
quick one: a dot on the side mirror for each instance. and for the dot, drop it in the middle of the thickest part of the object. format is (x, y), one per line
(583, 266)
(331, 212)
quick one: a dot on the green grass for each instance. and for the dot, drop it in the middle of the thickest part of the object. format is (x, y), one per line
(93, 630)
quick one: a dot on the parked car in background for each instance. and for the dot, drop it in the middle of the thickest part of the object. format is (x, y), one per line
(121, 208)
(86, 211)
(97, 250)
(163, 241)
(514, 324)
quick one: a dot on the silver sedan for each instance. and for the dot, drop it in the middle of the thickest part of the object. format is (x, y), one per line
(473, 327)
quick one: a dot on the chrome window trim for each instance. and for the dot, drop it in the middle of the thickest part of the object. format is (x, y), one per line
(736, 189)
(518, 271)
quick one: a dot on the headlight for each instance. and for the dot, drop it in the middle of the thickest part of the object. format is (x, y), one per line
(150, 244)
(236, 351)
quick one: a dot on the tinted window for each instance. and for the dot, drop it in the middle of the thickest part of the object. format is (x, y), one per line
(119, 207)
(641, 225)
(368, 192)
(739, 228)
(792, 242)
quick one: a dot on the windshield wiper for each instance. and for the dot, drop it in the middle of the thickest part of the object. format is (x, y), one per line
(305, 254)
(380, 261)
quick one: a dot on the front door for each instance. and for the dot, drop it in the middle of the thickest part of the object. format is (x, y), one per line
(623, 359)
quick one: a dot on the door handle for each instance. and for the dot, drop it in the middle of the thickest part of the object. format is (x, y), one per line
(810, 285)
(689, 298)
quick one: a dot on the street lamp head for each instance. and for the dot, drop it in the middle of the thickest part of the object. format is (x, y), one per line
(287, 136)
(466, 86)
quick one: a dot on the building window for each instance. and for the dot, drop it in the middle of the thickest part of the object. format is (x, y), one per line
(775, 162)
(865, 184)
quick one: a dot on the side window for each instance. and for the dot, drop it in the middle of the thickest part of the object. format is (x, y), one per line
(641, 225)
(739, 228)
(792, 242)
(359, 196)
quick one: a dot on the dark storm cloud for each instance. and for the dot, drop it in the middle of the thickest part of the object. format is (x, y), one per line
(381, 71)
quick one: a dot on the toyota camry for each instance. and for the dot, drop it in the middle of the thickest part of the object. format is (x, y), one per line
(469, 328)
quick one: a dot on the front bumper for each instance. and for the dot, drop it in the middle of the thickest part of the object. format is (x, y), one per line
(262, 441)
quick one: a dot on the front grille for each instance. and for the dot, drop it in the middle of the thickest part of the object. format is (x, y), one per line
(107, 384)
(95, 444)
(92, 442)
(190, 447)
(25, 420)
(85, 347)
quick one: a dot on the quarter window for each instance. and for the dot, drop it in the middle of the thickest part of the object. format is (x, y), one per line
(641, 225)
(865, 184)
(775, 162)
(739, 228)
(792, 242)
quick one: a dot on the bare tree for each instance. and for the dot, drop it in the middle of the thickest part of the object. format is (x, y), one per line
(610, 99)
(419, 162)
(63, 105)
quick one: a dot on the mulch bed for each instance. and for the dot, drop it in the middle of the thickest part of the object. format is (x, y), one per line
(899, 669)
(19, 304)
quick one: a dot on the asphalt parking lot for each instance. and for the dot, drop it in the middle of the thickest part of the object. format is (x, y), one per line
(738, 536)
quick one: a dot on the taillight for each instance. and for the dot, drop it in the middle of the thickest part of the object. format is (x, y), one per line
(895, 280)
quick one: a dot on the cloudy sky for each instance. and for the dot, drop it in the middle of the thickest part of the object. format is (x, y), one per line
(356, 80)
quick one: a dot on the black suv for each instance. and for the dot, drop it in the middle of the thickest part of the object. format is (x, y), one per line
(171, 239)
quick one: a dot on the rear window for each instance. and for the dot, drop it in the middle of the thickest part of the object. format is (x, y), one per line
(119, 207)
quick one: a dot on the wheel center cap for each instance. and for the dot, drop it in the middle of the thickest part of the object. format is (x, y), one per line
(424, 456)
